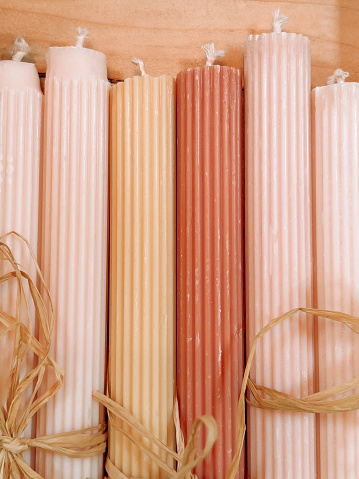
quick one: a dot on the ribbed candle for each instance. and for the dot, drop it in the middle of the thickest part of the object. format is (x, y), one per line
(74, 245)
(279, 272)
(20, 127)
(142, 264)
(336, 179)
(209, 255)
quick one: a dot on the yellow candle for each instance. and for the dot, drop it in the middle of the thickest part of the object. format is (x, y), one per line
(142, 263)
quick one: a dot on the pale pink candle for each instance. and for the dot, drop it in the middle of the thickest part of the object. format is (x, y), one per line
(20, 127)
(74, 245)
(336, 226)
(281, 445)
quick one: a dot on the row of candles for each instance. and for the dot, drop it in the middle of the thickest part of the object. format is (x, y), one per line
(296, 206)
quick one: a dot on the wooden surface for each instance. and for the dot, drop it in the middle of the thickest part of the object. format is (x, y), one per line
(168, 34)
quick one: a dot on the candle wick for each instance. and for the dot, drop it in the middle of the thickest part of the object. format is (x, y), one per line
(20, 49)
(139, 62)
(81, 37)
(278, 21)
(212, 54)
(338, 76)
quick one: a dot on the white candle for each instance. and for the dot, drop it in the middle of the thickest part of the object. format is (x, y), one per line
(20, 127)
(74, 245)
(281, 445)
(336, 231)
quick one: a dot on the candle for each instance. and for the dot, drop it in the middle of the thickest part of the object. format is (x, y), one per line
(278, 246)
(20, 127)
(142, 264)
(74, 245)
(336, 232)
(209, 254)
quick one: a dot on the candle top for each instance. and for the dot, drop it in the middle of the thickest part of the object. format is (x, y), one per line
(76, 62)
(17, 74)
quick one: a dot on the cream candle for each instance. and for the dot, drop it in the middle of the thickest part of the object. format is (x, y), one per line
(278, 246)
(20, 127)
(209, 254)
(336, 232)
(74, 244)
(142, 264)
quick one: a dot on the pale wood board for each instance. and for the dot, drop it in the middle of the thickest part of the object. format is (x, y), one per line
(168, 35)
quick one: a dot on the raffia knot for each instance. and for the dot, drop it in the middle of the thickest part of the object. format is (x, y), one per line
(14, 445)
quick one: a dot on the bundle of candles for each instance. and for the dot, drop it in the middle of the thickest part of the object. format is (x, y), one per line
(154, 311)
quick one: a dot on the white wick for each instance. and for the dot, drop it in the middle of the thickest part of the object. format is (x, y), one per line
(338, 77)
(20, 49)
(212, 54)
(81, 37)
(139, 62)
(278, 21)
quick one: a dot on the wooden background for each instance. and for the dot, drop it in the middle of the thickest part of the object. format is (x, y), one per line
(168, 34)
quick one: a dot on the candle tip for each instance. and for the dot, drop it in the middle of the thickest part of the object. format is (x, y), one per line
(82, 34)
(20, 49)
(139, 62)
(212, 54)
(278, 21)
(338, 76)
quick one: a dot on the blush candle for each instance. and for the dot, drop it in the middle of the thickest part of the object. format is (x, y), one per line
(74, 245)
(210, 254)
(20, 128)
(279, 271)
(336, 241)
(142, 265)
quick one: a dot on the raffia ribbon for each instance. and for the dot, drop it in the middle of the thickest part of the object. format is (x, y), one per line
(118, 415)
(16, 416)
(322, 402)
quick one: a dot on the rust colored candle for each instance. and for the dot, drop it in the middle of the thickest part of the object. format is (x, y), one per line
(209, 254)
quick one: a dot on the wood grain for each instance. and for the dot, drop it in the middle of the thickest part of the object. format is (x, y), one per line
(168, 34)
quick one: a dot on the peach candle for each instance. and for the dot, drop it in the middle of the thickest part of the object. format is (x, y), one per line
(336, 226)
(74, 245)
(142, 264)
(20, 127)
(279, 275)
(209, 254)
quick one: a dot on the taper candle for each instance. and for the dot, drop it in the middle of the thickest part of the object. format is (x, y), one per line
(20, 134)
(336, 245)
(74, 245)
(142, 264)
(279, 271)
(209, 254)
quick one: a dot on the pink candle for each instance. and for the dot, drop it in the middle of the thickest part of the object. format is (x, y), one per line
(336, 227)
(74, 245)
(209, 255)
(20, 126)
(278, 246)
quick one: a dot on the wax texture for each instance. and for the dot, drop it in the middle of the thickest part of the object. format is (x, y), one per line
(336, 245)
(142, 265)
(20, 137)
(279, 272)
(74, 247)
(210, 223)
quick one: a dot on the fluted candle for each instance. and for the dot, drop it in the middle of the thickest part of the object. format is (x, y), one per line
(209, 254)
(336, 241)
(142, 264)
(20, 135)
(74, 245)
(279, 271)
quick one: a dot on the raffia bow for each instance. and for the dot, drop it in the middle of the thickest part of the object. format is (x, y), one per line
(16, 416)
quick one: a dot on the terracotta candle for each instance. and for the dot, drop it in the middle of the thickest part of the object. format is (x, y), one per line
(20, 127)
(279, 273)
(142, 264)
(74, 244)
(336, 226)
(209, 254)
